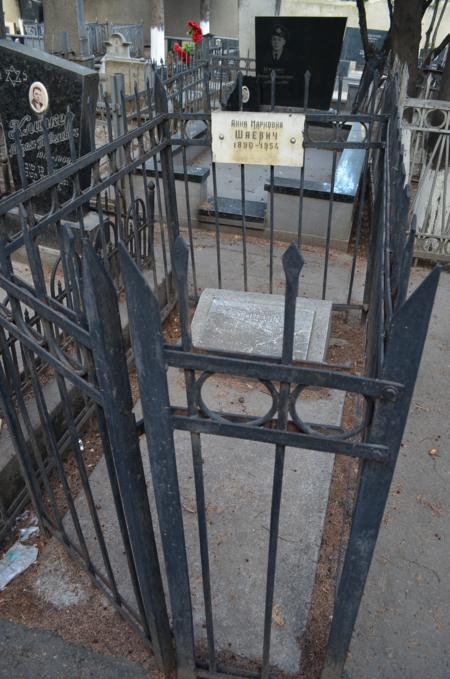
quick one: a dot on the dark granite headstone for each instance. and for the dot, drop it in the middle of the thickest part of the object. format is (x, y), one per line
(31, 10)
(35, 85)
(352, 47)
(343, 68)
(292, 46)
(251, 98)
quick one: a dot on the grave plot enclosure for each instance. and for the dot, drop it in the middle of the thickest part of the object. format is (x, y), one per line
(192, 517)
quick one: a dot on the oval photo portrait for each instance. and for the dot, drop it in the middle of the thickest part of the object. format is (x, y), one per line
(38, 97)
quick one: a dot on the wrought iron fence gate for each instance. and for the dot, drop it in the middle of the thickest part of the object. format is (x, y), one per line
(77, 336)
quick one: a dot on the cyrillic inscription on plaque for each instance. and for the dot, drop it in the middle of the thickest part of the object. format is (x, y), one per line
(258, 138)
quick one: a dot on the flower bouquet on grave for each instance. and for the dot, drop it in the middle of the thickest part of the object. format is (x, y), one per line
(186, 49)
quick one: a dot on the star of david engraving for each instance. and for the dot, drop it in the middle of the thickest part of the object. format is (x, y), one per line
(13, 76)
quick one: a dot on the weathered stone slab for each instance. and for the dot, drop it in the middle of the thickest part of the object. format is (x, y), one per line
(252, 323)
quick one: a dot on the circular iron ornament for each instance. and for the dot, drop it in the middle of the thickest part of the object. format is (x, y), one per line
(436, 118)
(254, 422)
(109, 239)
(318, 430)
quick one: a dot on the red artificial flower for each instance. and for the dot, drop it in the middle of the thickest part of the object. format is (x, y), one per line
(177, 48)
(194, 26)
(195, 31)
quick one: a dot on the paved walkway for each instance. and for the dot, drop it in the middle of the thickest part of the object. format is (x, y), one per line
(403, 629)
(35, 654)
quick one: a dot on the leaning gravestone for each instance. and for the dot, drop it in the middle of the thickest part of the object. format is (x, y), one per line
(35, 85)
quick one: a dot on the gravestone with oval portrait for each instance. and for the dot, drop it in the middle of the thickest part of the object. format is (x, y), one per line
(35, 86)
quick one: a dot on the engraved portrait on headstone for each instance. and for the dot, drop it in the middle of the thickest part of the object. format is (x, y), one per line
(277, 56)
(290, 46)
(38, 97)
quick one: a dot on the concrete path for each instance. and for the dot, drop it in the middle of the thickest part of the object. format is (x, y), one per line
(403, 629)
(35, 654)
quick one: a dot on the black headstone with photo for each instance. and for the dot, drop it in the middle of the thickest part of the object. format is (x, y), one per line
(35, 85)
(292, 46)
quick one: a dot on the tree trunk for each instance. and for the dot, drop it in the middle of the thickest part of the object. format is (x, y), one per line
(2, 22)
(157, 50)
(431, 26)
(405, 37)
(363, 28)
(204, 16)
(444, 87)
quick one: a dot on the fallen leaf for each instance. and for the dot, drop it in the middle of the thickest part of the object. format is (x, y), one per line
(188, 509)
(277, 616)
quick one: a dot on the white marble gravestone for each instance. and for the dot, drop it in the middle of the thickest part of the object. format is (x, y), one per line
(252, 323)
(118, 47)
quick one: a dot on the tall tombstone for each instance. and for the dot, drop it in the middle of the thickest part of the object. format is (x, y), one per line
(35, 85)
(293, 45)
(31, 10)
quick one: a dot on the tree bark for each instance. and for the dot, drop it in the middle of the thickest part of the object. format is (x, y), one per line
(205, 16)
(157, 30)
(2, 22)
(405, 36)
(431, 26)
(363, 28)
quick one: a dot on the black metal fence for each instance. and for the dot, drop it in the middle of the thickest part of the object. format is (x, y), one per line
(78, 336)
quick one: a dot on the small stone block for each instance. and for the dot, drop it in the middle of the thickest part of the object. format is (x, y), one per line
(252, 323)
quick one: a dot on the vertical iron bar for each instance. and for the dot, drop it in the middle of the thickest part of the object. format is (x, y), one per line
(243, 220)
(273, 76)
(307, 78)
(362, 198)
(189, 219)
(103, 317)
(147, 342)
(159, 205)
(168, 177)
(292, 264)
(181, 270)
(331, 203)
(217, 226)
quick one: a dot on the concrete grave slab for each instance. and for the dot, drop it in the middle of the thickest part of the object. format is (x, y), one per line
(252, 323)
(238, 486)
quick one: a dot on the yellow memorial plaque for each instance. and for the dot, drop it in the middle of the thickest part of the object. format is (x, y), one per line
(257, 138)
